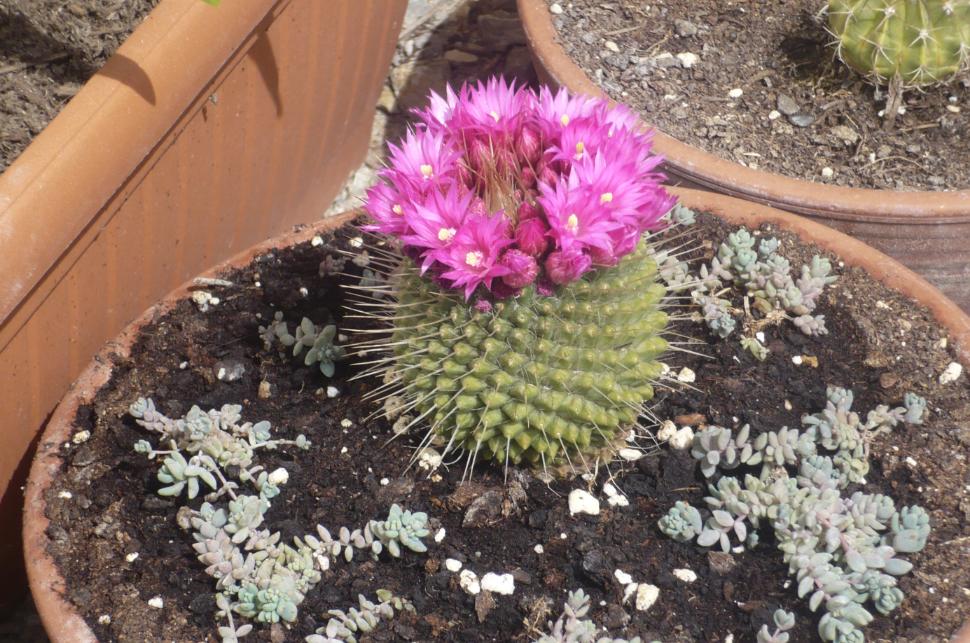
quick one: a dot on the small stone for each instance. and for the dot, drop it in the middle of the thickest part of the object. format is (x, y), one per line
(736, 92)
(156, 602)
(439, 535)
(955, 109)
(630, 455)
(801, 120)
(686, 375)
(622, 577)
(346, 423)
(774, 115)
(385, 482)
(264, 391)
(686, 575)
(598, 568)
(316, 241)
(104, 619)
(911, 462)
(687, 59)
(498, 583)
(485, 510)
(580, 501)
(846, 134)
(460, 57)
(720, 562)
(646, 596)
(429, 459)
(685, 28)
(332, 391)
(612, 46)
(683, 439)
(796, 360)
(452, 565)
(203, 300)
(665, 60)
(65, 495)
(81, 436)
(951, 373)
(278, 476)
(667, 430)
(827, 172)
(132, 557)
(229, 370)
(555, 9)
(787, 105)
(888, 380)
(468, 581)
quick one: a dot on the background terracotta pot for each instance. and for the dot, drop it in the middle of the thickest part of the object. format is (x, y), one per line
(62, 621)
(927, 231)
(210, 129)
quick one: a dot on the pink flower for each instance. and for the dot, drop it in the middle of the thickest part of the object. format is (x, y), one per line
(422, 162)
(435, 222)
(439, 111)
(523, 269)
(494, 108)
(472, 257)
(531, 236)
(386, 206)
(577, 217)
(564, 266)
(553, 112)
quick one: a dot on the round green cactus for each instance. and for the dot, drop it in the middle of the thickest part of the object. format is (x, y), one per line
(920, 42)
(536, 379)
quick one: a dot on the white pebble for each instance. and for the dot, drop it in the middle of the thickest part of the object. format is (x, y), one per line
(357, 242)
(563, 535)
(682, 439)
(797, 360)
(686, 575)
(385, 482)
(156, 602)
(498, 583)
(332, 391)
(646, 596)
(316, 241)
(760, 336)
(686, 375)
(104, 619)
(630, 590)
(429, 459)
(452, 565)
(951, 373)
(221, 374)
(736, 92)
(555, 9)
(827, 172)
(612, 46)
(953, 108)
(81, 436)
(132, 557)
(667, 430)
(581, 502)
(687, 59)
(183, 365)
(622, 577)
(343, 450)
(614, 497)
(468, 581)
(346, 423)
(774, 115)
(66, 495)
(911, 462)
(539, 549)
(630, 455)
(278, 477)
(439, 535)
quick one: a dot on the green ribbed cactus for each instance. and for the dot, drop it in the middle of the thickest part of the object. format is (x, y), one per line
(540, 380)
(921, 42)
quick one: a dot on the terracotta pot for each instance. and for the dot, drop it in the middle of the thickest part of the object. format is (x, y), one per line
(210, 129)
(927, 231)
(62, 621)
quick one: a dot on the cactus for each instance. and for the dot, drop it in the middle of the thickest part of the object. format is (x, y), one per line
(534, 379)
(920, 42)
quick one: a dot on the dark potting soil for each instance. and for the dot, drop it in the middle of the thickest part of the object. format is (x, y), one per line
(48, 49)
(776, 53)
(879, 345)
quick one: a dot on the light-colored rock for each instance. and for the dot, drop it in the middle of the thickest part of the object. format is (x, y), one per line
(951, 373)
(622, 577)
(468, 581)
(278, 477)
(630, 455)
(686, 376)
(581, 502)
(682, 439)
(686, 575)
(452, 565)
(687, 59)
(555, 9)
(498, 583)
(647, 595)
(737, 92)
(156, 602)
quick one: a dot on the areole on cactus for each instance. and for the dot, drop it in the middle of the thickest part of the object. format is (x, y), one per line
(527, 320)
(920, 42)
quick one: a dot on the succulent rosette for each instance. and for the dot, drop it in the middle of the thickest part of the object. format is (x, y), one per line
(527, 312)
(500, 187)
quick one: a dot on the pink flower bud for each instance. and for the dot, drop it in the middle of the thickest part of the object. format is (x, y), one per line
(528, 145)
(548, 176)
(564, 266)
(524, 269)
(483, 305)
(527, 211)
(531, 236)
(527, 177)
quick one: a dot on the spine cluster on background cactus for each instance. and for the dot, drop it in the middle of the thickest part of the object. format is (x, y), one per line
(257, 575)
(527, 312)
(919, 41)
(842, 548)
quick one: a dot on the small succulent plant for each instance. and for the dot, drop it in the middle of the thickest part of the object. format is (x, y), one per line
(842, 549)
(783, 621)
(572, 626)
(346, 626)
(319, 342)
(402, 529)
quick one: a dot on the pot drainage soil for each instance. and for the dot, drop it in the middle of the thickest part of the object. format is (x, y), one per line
(825, 126)
(104, 508)
(48, 49)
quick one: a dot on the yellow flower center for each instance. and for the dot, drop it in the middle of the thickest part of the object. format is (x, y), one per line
(564, 120)
(580, 148)
(494, 115)
(572, 223)
(446, 234)
(474, 259)
(606, 197)
(427, 171)
(397, 209)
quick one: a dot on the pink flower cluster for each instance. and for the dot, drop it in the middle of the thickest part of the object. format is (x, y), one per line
(504, 187)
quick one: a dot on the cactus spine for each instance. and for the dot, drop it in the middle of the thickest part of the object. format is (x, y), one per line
(920, 42)
(536, 379)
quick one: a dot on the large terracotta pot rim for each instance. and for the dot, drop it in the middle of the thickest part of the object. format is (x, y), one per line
(62, 621)
(700, 167)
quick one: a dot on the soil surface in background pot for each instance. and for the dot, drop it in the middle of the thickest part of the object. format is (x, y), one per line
(879, 345)
(48, 49)
(775, 52)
